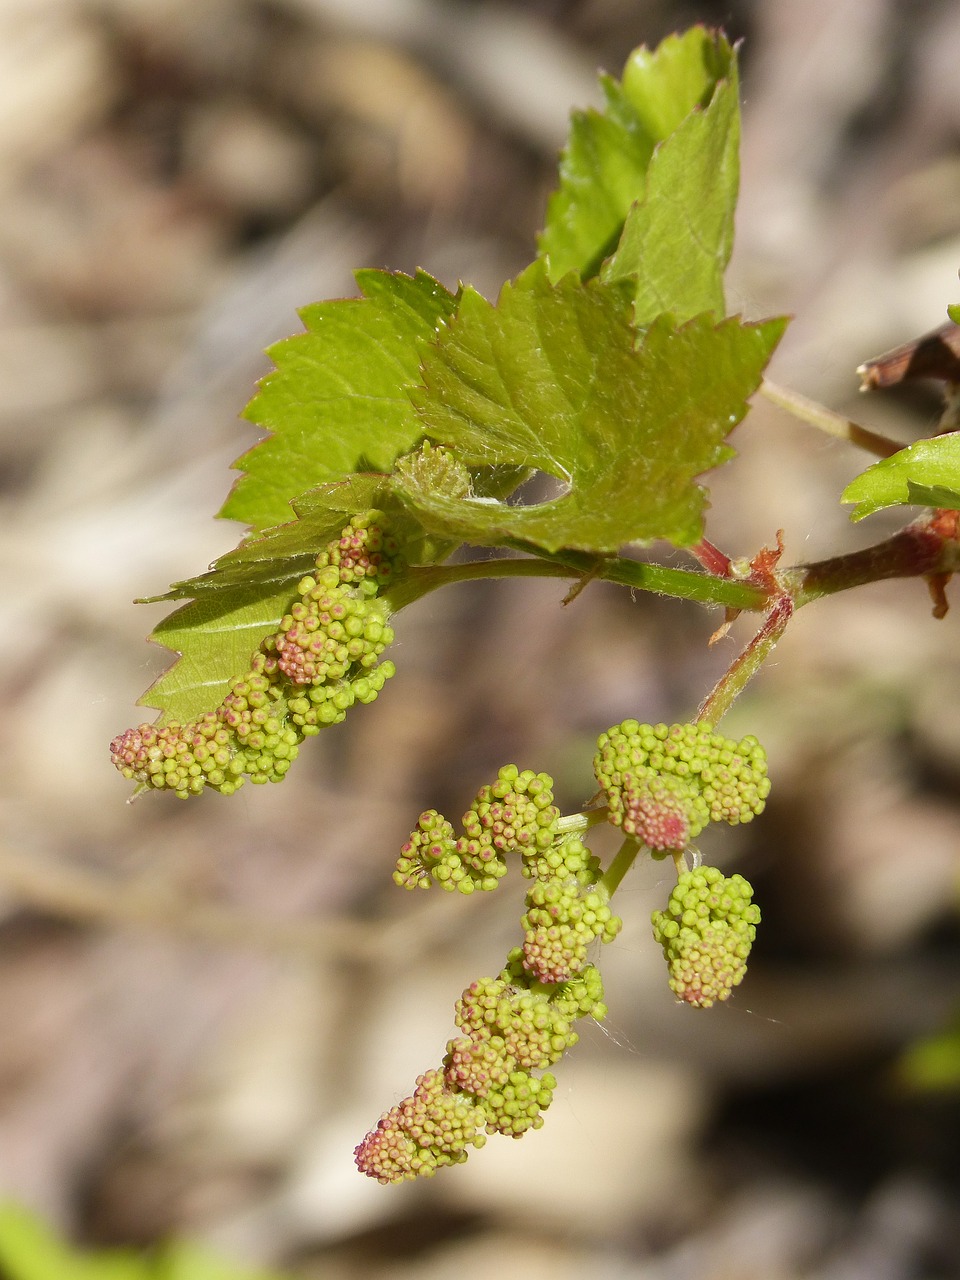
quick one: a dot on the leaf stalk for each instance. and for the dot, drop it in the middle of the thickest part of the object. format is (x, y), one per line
(824, 419)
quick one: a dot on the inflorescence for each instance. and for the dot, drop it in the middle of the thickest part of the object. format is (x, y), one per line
(323, 658)
(664, 783)
(706, 933)
(565, 910)
(493, 1078)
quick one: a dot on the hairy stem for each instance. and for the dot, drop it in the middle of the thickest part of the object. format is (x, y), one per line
(682, 584)
(834, 424)
(747, 663)
(922, 548)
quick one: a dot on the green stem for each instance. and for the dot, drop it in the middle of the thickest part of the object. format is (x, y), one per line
(834, 424)
(625, 857)
(682, 584)
(581, 821)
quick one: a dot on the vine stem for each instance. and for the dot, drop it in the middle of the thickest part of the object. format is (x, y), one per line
(682, 584)
(928, 546)
(748, 662)
(824, 419)
(924, 548)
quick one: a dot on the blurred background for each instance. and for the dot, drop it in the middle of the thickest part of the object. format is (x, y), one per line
(204, 1006)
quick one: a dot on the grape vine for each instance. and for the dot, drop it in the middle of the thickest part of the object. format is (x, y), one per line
(400, 427)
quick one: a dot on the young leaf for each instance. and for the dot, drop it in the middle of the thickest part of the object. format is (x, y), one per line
(30, 1251)
(287, 551)
(553, 378)
(215, 636)
(337, 401)
(937, 496)
(604, 166)
(926, 473)
(677, 238)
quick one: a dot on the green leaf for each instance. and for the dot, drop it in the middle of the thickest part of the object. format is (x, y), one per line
(665, 84)
(215, 636)
(604, 166)
(337, 401)
(919, 475)
(678, 236)
(553, 378)
(937, 496)
(28, 1251)
(286, 552)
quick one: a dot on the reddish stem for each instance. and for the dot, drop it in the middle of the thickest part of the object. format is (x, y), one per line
(712, 558)
(926, 547)
(748, 662)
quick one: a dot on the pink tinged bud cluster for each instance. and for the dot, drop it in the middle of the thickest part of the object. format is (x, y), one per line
(664, 783)
(561, 921)
(706, 933)
(515, 814)
(181, 758)
(487, 1083)
(429, 853)
(331, 633)
(323, 658)
(565, 913)
(365, 554)
(423, 1133)
(657, 816)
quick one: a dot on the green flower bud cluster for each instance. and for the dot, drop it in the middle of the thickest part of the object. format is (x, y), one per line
(664, 783)
(266, 744)
(322, 659)
(562, 919)
(488, 1081)
(515, 814)
(706, 933)
(430, 856)
(366, 554)
(509, 1031)
(330, 632)
(567, 858)
(181, 757)
(423, 1133)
